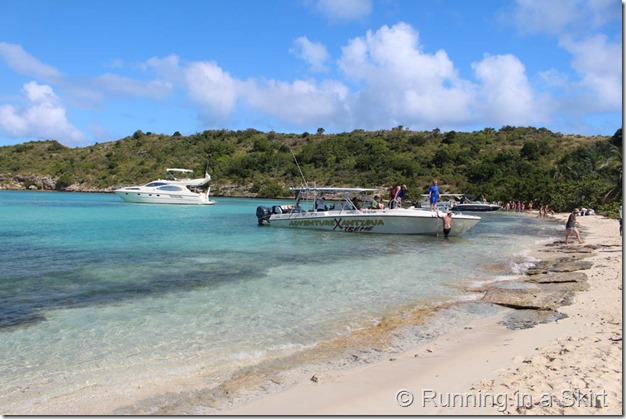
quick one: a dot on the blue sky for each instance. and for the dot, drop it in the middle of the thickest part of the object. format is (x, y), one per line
(82, 72)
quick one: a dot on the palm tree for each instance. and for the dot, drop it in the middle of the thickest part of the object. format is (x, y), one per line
(614, 164)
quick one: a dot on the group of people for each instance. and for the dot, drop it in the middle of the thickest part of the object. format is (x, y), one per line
(396, 195)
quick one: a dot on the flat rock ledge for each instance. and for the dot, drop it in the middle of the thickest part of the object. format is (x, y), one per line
(538, 298)
(545, 287)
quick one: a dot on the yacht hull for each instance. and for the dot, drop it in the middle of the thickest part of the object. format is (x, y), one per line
(476, 207)
(386, 221)
(141, 197)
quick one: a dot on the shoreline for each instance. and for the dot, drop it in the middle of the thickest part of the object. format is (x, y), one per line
(568, 366)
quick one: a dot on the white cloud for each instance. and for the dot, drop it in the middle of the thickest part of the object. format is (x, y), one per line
(128, 86)
(596, 84)
(506, 96)
(213, 89)
(595, 60)
(556, 17)
(42, 117)
(24, 63)
(402, 83)
(304, 103)
(314, 53)
(342, 10)
(168, 67)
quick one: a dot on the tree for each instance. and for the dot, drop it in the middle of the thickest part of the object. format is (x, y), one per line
(614, 164)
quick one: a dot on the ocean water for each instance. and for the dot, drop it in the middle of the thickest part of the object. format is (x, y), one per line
(100, 296)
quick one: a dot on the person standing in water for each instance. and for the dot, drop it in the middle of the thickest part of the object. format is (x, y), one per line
(447, 223)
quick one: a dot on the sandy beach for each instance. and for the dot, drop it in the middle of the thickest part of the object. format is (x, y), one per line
(571, 366)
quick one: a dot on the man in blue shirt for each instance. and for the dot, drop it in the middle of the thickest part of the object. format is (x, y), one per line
(433, 195)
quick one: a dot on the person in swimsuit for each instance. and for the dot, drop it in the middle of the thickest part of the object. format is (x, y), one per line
(447, 223)
(571, 227)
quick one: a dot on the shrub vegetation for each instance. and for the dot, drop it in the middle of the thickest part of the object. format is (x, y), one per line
(512, 163)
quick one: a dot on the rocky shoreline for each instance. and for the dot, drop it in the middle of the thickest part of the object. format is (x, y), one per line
(550, 284)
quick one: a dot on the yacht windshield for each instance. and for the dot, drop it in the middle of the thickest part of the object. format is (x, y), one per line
(171, 188)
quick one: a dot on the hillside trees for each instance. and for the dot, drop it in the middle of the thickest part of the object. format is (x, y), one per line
(513, 163)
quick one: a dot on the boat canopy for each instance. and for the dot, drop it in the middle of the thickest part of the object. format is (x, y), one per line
(333, 190)
(445, 195)
(180, 170)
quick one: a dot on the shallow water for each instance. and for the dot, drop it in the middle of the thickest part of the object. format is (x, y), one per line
(98, 292)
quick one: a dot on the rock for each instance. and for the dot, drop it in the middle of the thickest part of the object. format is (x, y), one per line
(525, 319)
(533, 298)
(559, 265)
(558, 277)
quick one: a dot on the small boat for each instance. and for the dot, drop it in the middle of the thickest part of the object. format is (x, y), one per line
(467, 204)
(340, 211)
(173, 190)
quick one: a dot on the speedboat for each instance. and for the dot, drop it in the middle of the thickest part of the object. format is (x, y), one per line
(341, 212)
(176, 189)
(467, 204)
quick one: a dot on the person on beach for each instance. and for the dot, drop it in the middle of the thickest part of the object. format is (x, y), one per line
(571, 227)
(447, 223)
(433, 195)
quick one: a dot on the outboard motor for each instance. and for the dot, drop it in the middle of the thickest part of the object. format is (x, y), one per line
(263, 214)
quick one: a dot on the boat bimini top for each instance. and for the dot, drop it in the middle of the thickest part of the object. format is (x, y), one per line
(332, 190)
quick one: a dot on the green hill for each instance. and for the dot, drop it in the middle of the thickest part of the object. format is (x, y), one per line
(513, 163)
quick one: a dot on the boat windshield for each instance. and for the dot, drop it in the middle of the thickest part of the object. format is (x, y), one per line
(330, 199)
(171, 188)
(155, 184)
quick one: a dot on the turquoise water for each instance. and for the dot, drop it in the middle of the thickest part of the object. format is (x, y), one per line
(98, 293)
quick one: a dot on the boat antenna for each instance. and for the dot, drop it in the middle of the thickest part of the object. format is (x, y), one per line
(306, 184)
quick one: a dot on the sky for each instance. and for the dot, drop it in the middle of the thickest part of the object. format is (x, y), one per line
(86, 71)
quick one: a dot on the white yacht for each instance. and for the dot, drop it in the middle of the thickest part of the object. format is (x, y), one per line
(341, 212)
(178, 188)
(468, 203)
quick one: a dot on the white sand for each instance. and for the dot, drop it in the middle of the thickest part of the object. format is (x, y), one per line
(569, 367)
